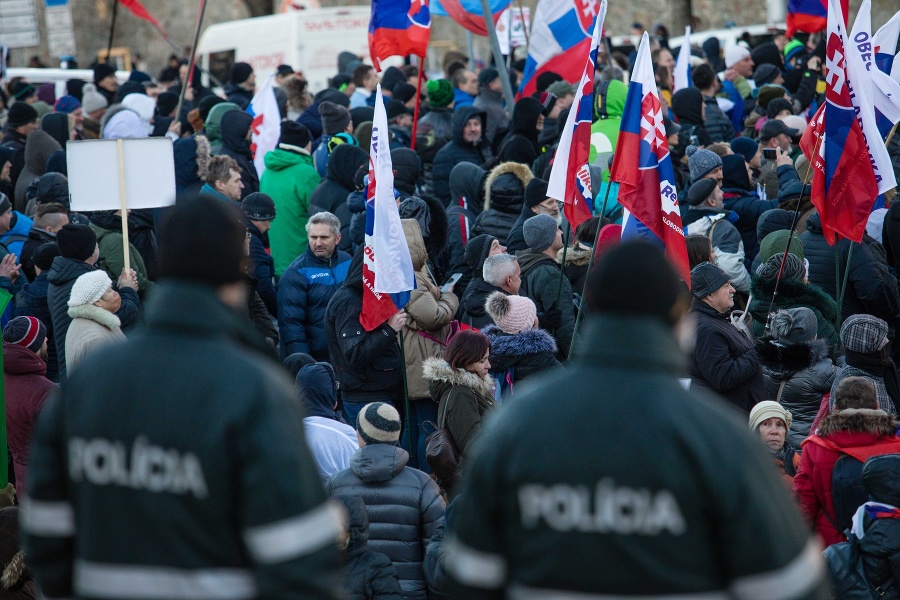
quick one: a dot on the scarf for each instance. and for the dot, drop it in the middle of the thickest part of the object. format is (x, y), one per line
(880, 368)
(873, 510)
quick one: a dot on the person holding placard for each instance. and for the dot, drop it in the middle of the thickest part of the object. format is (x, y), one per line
(107, 226)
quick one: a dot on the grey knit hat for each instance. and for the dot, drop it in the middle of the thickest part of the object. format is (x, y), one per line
(334, 118)
(794, 325)
(793, 268)
(701, 162)
(540, 232)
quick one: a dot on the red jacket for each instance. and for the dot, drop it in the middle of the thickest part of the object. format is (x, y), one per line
(26, 390)
(859, 433)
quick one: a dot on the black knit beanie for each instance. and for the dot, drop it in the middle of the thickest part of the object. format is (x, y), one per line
(535, 192)
(634, 278)
(44, 254)
(203, 241)
(240, 72)
(477, 250)
(334, 118)
(77, 242)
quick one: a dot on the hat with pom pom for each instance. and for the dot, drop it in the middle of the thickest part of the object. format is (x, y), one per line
(512, 314)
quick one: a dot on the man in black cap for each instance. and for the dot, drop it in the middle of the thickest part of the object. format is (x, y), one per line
(724, 359)
(471, 303)
(536, 203)
(106, 82)
(775, 134)
(21, 119)
(687, 490)
(241, 84)
(708, 217)
(189, 429)
(259, 212)
(490, 100)
(79, 253)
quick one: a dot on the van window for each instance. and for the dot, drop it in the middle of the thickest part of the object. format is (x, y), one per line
(220, 64)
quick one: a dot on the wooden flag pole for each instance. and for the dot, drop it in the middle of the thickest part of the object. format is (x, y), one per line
(498, 56)
(190, 73)
(418, 101)
(120, 150)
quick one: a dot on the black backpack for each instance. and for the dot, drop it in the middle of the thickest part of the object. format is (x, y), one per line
(848, 574)
(847, 491)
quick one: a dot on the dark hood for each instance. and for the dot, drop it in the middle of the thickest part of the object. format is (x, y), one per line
(881, 476)
(344, 59)
(377, 463)
(406, 170)
(782, 360)
(712, 50)
(767, 54)
(467, 181)
(344, 162)
(65, 270)
(458, 122)
(318, 390)
(356, 201)
(357, 522)
(235, 125)
(734, 173)
(19, 360)
(686, 104)
(814, 224)
(57, 126)
(52, 187)
(38, 148)
(432, 219)
(354, 271)
(776, 219)
(525, 116)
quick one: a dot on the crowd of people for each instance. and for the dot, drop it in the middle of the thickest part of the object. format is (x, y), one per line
(553, 413)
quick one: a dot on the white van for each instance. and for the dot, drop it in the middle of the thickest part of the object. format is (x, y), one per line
(38, 77)
(308, 40)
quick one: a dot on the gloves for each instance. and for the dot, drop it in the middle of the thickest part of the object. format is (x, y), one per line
(551, 318)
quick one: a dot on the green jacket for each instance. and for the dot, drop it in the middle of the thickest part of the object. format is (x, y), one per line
(792, 294)
(605, 129)
(609, 480)
(112, 257)
(204, 442)
(289, 179)
(213, 125)
(541, 282)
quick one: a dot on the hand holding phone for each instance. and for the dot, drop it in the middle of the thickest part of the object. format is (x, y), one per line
(448, 287)
(770, 153)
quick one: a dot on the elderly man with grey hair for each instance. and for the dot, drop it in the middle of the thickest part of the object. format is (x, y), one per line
(501, 273)
(307, 286)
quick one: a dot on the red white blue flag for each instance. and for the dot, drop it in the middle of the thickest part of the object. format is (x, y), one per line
(884, 44)
(266, 127)
(810, 16)
(560, 34)
(570, 179)
(682, 74)
(883, 91)
(388, 275)
(398, 28)
(468, 13)
(642, 166)
(852, 166)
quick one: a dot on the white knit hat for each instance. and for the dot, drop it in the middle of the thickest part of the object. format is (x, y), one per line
(735, 54)
(512, 314)
(767, 410)
(89, 288)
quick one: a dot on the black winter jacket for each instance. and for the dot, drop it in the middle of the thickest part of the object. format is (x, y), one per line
(262, 267)
(471, 307)
(458, 150)
(521, 145)
(880, 545)
(807, 373)
(527, 353)
(871, 288)
(432, 133)
(36, 238)
(365, 362)
(62, 276)
(467, 198)
(515, 241)
(31, 301)
(240, 96)
(368, 575)
(234, 128)
(710, 484)
(724, 360)
(303, 295)
(718, 125)
(404, 506)
(541, 282)
(331, 193)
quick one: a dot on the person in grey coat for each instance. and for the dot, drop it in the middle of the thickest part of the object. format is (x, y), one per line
(404, 505)
(797, 368)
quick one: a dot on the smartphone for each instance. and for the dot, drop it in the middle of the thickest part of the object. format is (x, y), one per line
(453, 279)
(770, 153)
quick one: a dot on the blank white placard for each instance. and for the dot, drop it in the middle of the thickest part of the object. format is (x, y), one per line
(93, 167)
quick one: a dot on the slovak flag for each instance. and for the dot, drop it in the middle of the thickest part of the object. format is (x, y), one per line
(682, 74)
(560, 31)
(266, 127)
(809, 15)
(469, 13)
(642, 166)
(879, 87)
(570, 179)
(884, 44)
(398, 28)
(388, 275)
(852, 165)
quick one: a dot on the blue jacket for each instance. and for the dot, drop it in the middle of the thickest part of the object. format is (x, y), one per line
(303, 294)
(262, 267)
(31, 301)
(15, 238)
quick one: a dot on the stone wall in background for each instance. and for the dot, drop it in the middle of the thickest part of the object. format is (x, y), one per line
(92, 19)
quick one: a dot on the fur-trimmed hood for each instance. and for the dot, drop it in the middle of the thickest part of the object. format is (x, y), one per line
(795, 357)
(95, 314)
(438, 370)
(859, 420)
(575, 257)
(534, 341)
(794, 293)
(520, 171)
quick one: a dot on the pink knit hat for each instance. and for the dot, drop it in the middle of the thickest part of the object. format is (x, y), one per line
(512, 314)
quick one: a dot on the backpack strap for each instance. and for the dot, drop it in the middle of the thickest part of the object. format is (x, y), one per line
(780, 391)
